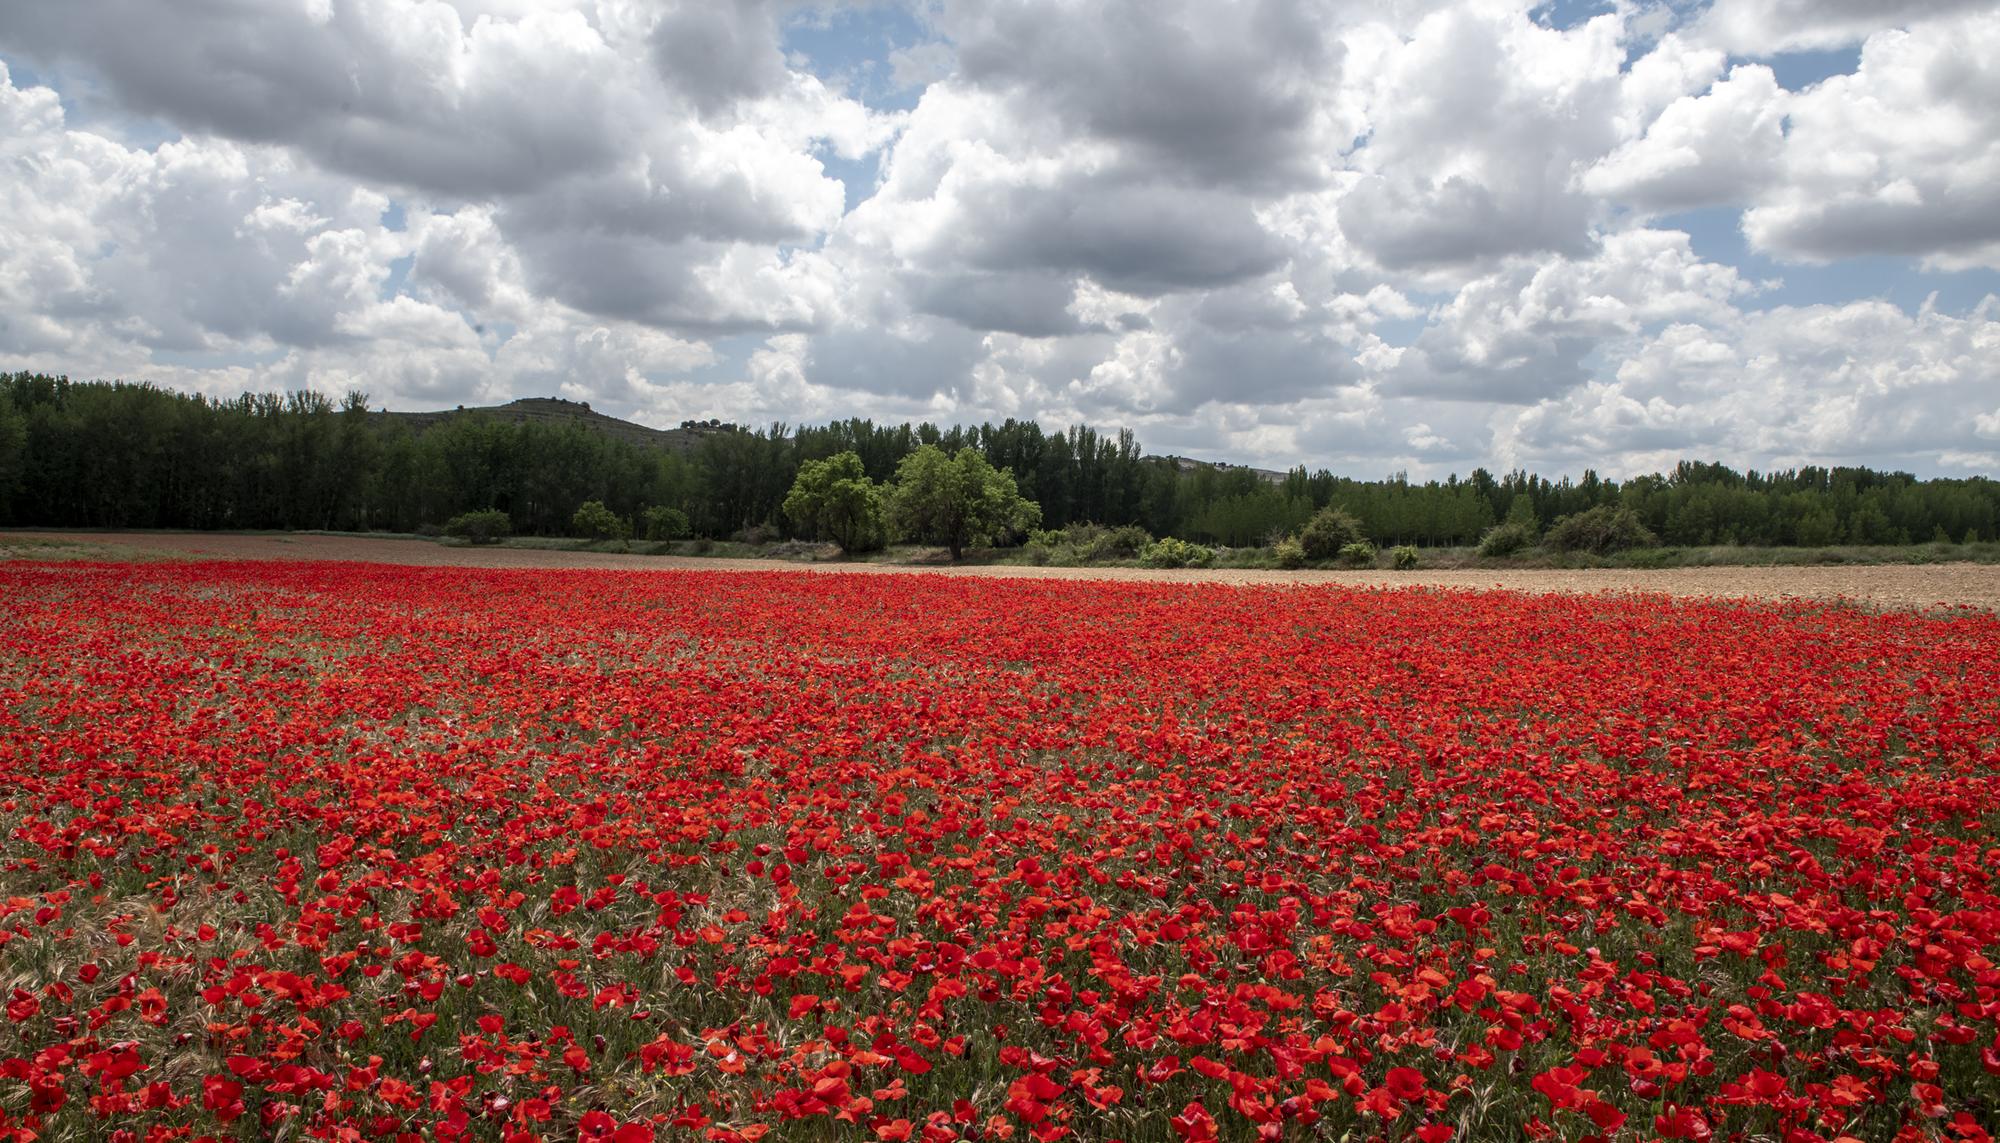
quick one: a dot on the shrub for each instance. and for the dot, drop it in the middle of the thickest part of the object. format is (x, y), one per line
(1086, 543)
(1357, 554)
(1289, 552)
(1118, 543)
(1168, 552)
(1600, 530)
(1329, 531)
(483, 527)
(1506, 539)
(594, 521)
(1403, 557)
(664, 523)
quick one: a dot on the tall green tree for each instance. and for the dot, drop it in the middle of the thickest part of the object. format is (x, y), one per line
(13, 450)
(957, 500)
(833, 499)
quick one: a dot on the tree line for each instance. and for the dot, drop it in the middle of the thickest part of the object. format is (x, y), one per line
(134, 455)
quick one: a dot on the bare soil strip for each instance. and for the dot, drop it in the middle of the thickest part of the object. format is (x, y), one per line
(1899, 586)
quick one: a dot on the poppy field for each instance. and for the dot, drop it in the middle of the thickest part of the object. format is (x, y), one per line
(334, 851)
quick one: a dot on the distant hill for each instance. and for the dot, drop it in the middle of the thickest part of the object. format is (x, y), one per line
(555, 410)
(1188, 464)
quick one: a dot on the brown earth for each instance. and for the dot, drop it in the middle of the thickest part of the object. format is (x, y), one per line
(1902, 586)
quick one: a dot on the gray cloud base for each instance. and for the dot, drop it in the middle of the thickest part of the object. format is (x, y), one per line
(1416, 236)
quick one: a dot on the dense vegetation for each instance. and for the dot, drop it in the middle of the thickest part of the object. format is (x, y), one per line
(97, 454)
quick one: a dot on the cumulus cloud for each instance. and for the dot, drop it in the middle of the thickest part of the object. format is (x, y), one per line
(1523, 334)
(1902, 157)
(1765, 27)
(627, 152)
(1232, 92)
(1424, 235)
(1716, 148)
(1864, 382)
(1475, 122)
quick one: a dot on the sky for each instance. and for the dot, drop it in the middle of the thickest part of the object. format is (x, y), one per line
(1417, 235)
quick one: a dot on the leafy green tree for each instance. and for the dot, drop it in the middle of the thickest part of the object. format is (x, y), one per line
(13, 449)
(1329, 531)
(664, 523)
(1522, 513)
(1871, 525)
(833, 499)
(598, 522)
(1817, 527)
(957, 500)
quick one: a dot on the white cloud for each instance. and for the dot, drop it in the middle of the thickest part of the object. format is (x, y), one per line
(1765, 27)
(1863, 382)
(1422, 235)
(1720, 147)
(1902, 157)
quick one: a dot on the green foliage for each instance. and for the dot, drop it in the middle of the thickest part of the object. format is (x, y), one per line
(834, 499)
(665, 523)
(1081, 544)
(13, 448)
(1094, 543)
(1506, 539)
(1870, 524)
(597, 522)
(1249, 518)
(1361, 553)
(1172, 553)
(115, 455)
(1817, 527)
(1598, 531)
(1522, 514)
(1329, 532)
(1403, 557)
(1289, 552)
(958, 500)
(486, 526)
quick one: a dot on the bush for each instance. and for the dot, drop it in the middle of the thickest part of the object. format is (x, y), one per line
(483, 527)
(1506, 539)
(664, 523)
(1289, 552)
(1329, 531)
(1358, 554)
(1598, 531)
(1403, 557)
(1169, 552)
(1086, 543)
(594, 521)
(1118, 543)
